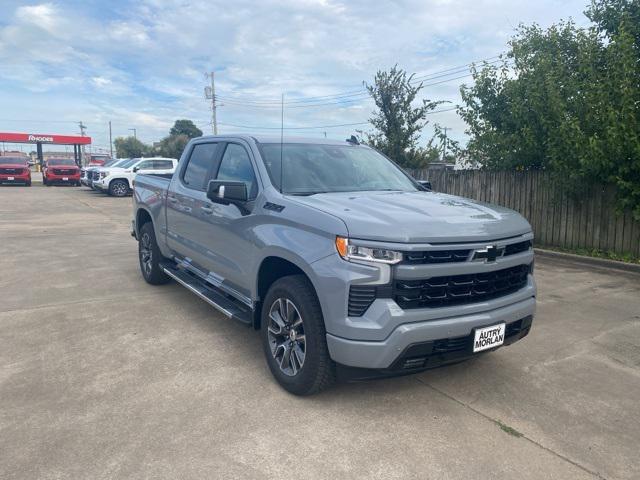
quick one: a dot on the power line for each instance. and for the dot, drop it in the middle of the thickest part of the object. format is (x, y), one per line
(361, 92)
(320, 126)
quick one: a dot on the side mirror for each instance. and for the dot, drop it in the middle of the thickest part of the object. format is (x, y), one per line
(227, 191)
(425, 184)
(135, 169)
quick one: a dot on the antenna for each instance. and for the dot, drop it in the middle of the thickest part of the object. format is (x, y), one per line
(281, 143)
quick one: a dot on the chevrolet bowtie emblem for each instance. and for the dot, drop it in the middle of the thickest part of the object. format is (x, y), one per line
(489, 253)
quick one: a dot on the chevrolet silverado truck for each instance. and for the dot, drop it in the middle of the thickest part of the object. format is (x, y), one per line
(347, 266)
(15, 170)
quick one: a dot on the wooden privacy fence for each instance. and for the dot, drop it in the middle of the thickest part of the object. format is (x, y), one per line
(557, 219)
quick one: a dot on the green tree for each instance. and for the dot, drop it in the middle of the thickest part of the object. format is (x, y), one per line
(185, 127)
(400, 118)
(172, 146)
(564, 99)
(130, 147)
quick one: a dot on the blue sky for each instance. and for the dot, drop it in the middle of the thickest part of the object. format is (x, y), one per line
(141, 64)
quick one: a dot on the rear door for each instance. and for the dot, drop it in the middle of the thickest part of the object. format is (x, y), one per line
(186, 200)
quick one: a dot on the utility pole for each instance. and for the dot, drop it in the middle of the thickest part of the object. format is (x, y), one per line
(83, 127)
(110, 141)
(134, 133)
(210, 94)
(444, 145)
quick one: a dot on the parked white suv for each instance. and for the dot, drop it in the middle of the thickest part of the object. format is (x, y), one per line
(118, 181)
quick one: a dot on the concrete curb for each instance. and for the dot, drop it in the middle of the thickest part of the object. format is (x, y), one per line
(591, 261)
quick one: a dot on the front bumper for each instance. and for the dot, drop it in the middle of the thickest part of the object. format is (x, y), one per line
(390, 353)
(63, 178)
(101, 184)
(22, 179)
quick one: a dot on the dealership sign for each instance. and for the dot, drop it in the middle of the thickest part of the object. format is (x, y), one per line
(44, 138)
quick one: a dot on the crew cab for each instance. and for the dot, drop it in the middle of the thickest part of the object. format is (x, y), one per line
(15, 170)
(61, 170)
(347, 266)
(118, 180)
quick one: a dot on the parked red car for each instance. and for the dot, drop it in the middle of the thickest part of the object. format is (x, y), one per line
(15, 170)
(61, 170)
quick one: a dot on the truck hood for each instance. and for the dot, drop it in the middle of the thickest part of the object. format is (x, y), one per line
(417, 217)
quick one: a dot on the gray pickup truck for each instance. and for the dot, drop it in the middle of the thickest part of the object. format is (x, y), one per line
(347, 266)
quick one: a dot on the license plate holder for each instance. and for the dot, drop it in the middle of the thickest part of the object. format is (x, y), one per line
(11, 178)
(65, 179)
(488, 337)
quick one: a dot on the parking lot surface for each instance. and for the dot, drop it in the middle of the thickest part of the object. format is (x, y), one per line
(104, 376)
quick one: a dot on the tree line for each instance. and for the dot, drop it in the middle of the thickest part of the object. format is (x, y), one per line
(170, 146)
(564, 99)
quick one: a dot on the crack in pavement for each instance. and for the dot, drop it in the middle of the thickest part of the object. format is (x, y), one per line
(524, 435)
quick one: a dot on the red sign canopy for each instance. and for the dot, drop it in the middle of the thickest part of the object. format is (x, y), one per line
(44, 138)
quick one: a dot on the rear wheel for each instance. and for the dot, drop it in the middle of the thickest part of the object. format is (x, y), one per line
(294, 337)
(118, 188)
(150, 256)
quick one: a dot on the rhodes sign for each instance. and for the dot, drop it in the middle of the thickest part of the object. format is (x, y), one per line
(44, 138)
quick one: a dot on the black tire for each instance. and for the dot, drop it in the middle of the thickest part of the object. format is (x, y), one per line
(118, 188)
(44, 181)
(150, 265)
(28, 184)
(317, 370)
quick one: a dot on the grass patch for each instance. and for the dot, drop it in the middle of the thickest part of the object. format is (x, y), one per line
(509, 430)
(596, 253)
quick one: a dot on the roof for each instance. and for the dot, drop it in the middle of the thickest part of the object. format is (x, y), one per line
(278, 139)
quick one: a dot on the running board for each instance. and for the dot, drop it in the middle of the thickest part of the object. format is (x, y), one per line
(210, 294)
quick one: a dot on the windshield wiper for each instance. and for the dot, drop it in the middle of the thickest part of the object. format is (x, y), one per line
(306, 194)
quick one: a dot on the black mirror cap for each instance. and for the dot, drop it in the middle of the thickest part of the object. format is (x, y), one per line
(135, 169)
(425, 184)
(227, 191)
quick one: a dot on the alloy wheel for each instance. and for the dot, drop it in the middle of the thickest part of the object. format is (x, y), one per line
(119, 189)
(286, 336)
(146, 253)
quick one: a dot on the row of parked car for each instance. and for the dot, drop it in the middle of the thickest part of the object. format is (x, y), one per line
(116, 177)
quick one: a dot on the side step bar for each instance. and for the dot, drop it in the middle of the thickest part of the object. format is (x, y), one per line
(210, 294)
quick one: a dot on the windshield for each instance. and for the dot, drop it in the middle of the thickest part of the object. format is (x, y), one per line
(13, 160)
(61, 161)
(127, 163)
(316, 168)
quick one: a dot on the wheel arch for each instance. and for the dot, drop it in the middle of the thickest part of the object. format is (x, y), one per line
(271, 269)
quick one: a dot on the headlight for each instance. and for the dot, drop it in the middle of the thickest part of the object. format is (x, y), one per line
(104, 174)
(368, 254)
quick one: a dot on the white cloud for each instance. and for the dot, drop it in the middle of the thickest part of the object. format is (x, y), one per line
(141, 63)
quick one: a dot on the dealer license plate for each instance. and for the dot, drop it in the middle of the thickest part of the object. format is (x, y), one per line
(64, 179)
(11, 178)
(488, 337)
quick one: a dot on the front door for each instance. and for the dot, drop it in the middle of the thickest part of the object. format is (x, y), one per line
(229, 229)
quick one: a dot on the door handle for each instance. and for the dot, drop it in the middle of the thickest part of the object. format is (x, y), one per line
(173, 199)
(207, 210)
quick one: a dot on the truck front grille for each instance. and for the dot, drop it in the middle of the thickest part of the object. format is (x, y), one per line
(64, 171)
(12, 171)
(457, 255)
(459, 289)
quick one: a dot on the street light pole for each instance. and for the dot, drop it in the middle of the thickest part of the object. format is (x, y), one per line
(134, 133)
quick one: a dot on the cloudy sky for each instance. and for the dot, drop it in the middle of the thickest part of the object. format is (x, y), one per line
(141, 64)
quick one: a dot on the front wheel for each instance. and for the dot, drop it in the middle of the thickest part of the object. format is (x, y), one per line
(150, 256)
(294, 337)
(118, 188)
